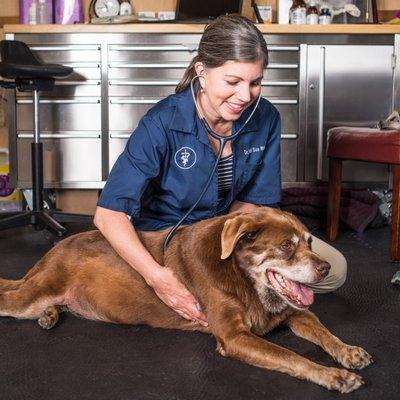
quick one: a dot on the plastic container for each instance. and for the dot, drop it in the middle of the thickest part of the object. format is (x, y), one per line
(28, 11)
(68, 11)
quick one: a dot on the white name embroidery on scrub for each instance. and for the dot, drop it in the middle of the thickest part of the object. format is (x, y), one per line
(253, 150)
(185, 158)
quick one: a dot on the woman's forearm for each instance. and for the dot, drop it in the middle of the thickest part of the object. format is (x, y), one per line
(121, 234)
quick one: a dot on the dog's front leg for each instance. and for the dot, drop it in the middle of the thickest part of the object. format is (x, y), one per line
(235, 340)
(306, 325)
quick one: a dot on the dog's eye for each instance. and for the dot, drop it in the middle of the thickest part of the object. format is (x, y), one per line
(286, 244)
(250, 235)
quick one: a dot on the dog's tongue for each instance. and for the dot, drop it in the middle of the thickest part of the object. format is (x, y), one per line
(294, 290)
(297, 289)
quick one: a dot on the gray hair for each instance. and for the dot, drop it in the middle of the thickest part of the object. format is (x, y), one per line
(228, 38)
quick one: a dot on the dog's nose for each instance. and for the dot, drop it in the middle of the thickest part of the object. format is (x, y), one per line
(323, 268)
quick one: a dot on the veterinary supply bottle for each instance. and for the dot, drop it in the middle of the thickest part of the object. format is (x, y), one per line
(32, 19)
(125, 8)
(325, 16)
(298, 12)
(312, 13)
(42, 12)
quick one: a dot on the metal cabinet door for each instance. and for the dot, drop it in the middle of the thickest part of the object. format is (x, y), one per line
(346, 85)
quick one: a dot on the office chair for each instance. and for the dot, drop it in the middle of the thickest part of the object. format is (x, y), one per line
(20, 70)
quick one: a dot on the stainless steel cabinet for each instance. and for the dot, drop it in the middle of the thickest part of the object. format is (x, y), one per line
(346, 85)
(70, 117)
(315, 81)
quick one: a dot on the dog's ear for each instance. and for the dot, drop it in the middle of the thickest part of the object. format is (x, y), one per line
(234, 229)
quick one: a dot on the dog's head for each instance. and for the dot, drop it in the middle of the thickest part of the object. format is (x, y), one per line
(274, 249)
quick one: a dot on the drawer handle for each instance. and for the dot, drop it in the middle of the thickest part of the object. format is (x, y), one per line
(142, 83)
(120, 135)
(65, 48)
(134, 101)
(279, 83)
(283, 101)
(177, 47)
(290, 136)
(60, 135)
(151, 66)
(282, 66)
(76, 83)
(61, 101)
(283, 48)
(82, 65)
(321, 105)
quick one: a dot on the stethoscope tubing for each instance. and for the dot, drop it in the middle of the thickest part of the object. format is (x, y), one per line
(222, 142)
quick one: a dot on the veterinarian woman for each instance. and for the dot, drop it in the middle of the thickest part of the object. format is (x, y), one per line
(168, 158)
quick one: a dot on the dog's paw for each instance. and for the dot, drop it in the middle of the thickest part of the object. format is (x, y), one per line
(342, 380)
(48, 318)
(354, 357)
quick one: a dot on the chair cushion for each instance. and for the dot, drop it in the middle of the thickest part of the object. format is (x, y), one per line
(364, 144)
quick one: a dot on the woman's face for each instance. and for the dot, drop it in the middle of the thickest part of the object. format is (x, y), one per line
(229, 89)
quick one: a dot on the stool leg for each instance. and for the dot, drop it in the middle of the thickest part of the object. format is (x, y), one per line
(395, 234)
(335, 183)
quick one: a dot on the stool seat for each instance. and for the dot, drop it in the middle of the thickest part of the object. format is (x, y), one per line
(364, 144)
(18, 62)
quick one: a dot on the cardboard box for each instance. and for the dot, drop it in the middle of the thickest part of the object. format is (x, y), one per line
(77, 201)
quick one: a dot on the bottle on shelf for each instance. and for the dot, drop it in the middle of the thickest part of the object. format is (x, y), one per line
(298, 12)
(42, 12)
(32, 14)
(312, 13)
(325, 16)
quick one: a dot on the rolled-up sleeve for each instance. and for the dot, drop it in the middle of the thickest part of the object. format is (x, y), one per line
(137, 165)
(264, 188)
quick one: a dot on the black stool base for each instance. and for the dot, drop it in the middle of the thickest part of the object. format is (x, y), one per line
(43, 220)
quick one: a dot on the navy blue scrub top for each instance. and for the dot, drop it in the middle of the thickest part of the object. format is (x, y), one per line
(168, 158)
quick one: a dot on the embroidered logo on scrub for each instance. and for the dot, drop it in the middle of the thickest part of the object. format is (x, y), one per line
(185, 158)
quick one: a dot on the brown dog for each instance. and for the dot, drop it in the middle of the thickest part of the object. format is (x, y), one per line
(247, 270)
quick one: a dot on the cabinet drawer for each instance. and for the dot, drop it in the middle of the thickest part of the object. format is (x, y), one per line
(69, 88)
(70, 159)
(289, 114)
(164, 87)
(137, 108)
(61, 114)
(117, 143)
(64, 54)
(152, 53)
(124, 115)
(289, 158)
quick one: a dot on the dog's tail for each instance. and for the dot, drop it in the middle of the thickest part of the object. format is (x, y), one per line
(7, 284)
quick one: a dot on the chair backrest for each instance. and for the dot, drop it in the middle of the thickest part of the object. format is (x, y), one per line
(15, 52)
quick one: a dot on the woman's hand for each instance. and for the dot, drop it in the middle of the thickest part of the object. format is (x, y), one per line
(175, 295)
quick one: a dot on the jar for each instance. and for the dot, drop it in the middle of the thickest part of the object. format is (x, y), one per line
(325, 16)
(297, 13)
(312, 13)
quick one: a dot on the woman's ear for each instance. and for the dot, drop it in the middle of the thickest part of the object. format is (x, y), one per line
(200, 71)
(199, 68)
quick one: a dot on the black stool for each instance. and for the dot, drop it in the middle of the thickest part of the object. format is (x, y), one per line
(23, 71)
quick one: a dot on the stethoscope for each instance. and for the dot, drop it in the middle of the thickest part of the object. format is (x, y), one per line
(222, 142)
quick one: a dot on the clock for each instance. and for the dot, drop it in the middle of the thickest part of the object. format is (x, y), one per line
(104, 8)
